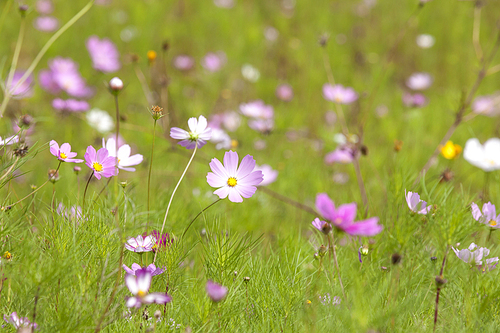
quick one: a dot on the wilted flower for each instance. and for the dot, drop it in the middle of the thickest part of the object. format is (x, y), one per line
(419, 81)
(415, 204)
(198, 134)
(284, 92)
(104, 55)
(269, 175)
(63, 75)
(183, 62)
(100, 162)
(486, 157)
(140, 244)
(250, 73)
(344, 154)
(451, 150)
(416, 100)
(474, 256)
(135, 268)
(46, 23)
(125, 161)
(233, 181)
(339, 94)
(25, 90)
(488, 105)
(215, 291)
(425, 41)
(213, 62)
(100, 120)
(63, 153)
(19, 322)
(70, 105)
(138, 285)
(488, 216)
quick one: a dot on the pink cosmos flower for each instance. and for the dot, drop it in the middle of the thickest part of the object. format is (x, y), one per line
(46, 23)
(44, 7)
(269, 175)
(198, 134)
(138, 285)
(25, 90)
(215, 291)
(488, 105)
(100, 162)
(70, 105)
(183, 62)
(419, 81)
(415, 204)
(339, 94)
(221, 139)
(140, 244)
(474, 256)
(63, 153)
(284, 92)
(63, 75)
(343, 218)
(104, 54)
(488, 216)
(125, 161)
(414, 100)
(213, 62)
(257, 109)
(233, 181)
(136, 267)
(9, 140)
(230, 120)
(264, 126)
(73, 213)
(343, 155)
(19, 322)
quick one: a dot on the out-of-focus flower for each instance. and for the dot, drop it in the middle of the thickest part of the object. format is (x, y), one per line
(183, 62)
(140, 244)
(250, 73)
(9, 140)
(104, 54)
(125, 161)
(198, 134)
(215, 291)
(25, 90)
(233, 181)
(138, 285)
(63, 153)
(224, 3)
(322, 226)
(269, 174)
(100, 162)
(488, 105)
(230, 120)
(425, 41)
(339, 94)
(44, 7)
(419, 81)
(19, 322)
(70, 105)
(271, 34)
(343, 218)
(416, 100)
(488, 216)
(221, 139)
(450, 150)
(284, 92)
(486, 157)
(136, 268)
(261, 125)
(46, 23)
(257, 109)
(73, 213)
(213, 62)
(63, 75)
(474, 256)
(344, 154)
(415, 204)
(100, 120)
(115, 84)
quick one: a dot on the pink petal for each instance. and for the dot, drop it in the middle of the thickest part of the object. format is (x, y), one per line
(246, 166)
(231, 162)
(223, 192)
(325, 206)
(218, 169)
(234, 196)
(245, 191)
(54, 148)
(215, 181)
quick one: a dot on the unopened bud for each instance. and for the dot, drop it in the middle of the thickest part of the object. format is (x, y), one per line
(440, 281)
(23, 9)
(53, 175)
(364, 150)
(123, 184)
(77, 170)
(235, 273)
(246, 279)
(363, 250)
(326, 228)
(434, 259)
(115, 84)
(322, 250)
(25, 121)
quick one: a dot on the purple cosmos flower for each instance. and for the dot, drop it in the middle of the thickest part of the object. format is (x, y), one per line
(344, 154)
(73, 213)
(414, 100)
(339, 94)
(486, 157)
(138, 285)
(9, 140)
(70, 105)
(284, 92)
(161, 241)
(419, 81)
(415, 204)
(215, 291)
(233, 181)
(136, 268)
(488, 216)
(101, 163)
(19, 322)
(25, 90)
(474, 256)
(343, 218)
(213, 62)
(46, 23)
(198, 134)
(257, 109)
(140, 244)
(104, 55)
(125, 161)
(183, 62)
(63, 153)
(63, 75)
(487, 105)
(269, 175)
(44, 7)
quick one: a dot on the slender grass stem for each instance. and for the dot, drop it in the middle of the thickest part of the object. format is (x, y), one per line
(85, 192)
(201, 212)
(438, 288)
(337, 266)
(15, 57)
(150, 170)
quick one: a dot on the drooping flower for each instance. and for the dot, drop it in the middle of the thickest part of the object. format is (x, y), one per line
(486, 157)
(104, 54)
(198, 134)
(138, 285)
(344, 154)
(136, 268)
(70, 105)
(63, 75)
(125, 161)
(474, 256)
(343, 218)
(269, 174)
(140, 244)
(183, 62)
(100, 162)
(19, 322)
(233, 181)
(488, 105)
(25, 90)
(450, 150)
(339, 94)
(46, 23)
(415, 204)
(63, 153)
(284, 92)
(488, 216)
(100, 120)
(215, 291)
(213, 62)
(9, 140)
(419, 81)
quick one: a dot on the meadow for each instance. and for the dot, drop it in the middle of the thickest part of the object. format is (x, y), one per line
(366, 135)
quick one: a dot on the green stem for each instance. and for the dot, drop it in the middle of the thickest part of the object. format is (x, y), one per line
(192, 221)
(337, 266)
(15, 58)
(149, 174)
(85, 192)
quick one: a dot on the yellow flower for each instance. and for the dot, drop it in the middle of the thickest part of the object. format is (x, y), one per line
(451, 150)
(151, 55)
(7, 255)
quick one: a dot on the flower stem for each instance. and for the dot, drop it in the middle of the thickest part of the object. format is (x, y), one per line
(337, 266)
(85, 192)
(192, 221)
(438, 288)
(288, 201)
(149, 173)
(15, 58)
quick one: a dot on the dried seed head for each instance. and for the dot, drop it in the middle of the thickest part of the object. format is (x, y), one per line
(156, 112)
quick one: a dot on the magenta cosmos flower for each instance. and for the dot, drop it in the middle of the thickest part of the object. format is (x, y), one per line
(257, 109)
(19, 322)
(140, 244)
(63, 75)
(135, 268)
(25, 90)
(343, 155)
(104, 55)
(284, 92)
(474, 256)
(70, 105)
(215, 291)
(233, 181)
(46, 23)
(488, 216)
(343, 218)
(213, 62)
(183, 62)
(415, 204)
(100, 162)
(63, 153)
(138, 285)
(198, 134)
(339, 94)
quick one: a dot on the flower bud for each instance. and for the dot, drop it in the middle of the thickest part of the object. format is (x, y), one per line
(363, 250)
(25, 121)
(440, 281)
(322, 250)
(77, 170)
(115, 84)
(23, 9)
(157, 314)
(53, 175)
(246, 279)
(434, 259)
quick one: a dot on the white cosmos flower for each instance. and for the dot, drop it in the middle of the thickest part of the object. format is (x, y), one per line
(125, 161)
(486, 157)
(198, 134)
(100, 120)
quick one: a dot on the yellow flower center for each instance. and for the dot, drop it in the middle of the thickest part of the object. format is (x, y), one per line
(97, 166)
(7, 255)
(141, 293)
(63, 155)
(232, 182)
(493, 223)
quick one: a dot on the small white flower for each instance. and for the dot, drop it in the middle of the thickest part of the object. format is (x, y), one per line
(419, 81)
(250, 73)
(100, 120)
(486, 157)
(425, 41)
(198, 135)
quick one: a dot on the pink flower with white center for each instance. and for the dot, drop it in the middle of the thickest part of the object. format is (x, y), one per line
(257, 109)
(269, 175)
(63, 153)
(415, 204)
(138, 285)
(233, 181)
(488, 216)
(100, 162)
(339, 94)
(486, 157)
(19, 322)
(474, 256)
(140, 244)
(419, 81)
(136, 267)
(104, 54)
(215, 291)
(198, 134)
(125, 161)
(25, 90)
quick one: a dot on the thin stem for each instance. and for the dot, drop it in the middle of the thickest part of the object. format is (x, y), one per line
(85, 192)
(10, 169)
(15, 58)
(337, 266)
(173, 193)
(192, 221)
(34, 308)
(144, 85)
(150, 170)
(438, 288)
(288, 201)
(117, 216)
(475, 32)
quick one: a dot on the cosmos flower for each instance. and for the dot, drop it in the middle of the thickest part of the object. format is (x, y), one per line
(19, 322)
(221, 139)
(233, 181)
(264, 126)
(450, 150)
(138, 285)
(416, 100)
(104, 54)
(343, 218)
(46, 23)
(284, 92)
(136, 267)
(488, 216)
(140, 244)
(25, 90)
(215, 291)
(63, 75)
(474, 256)
(73, 213)
(486, 157)
(230, 120)
(100, 120)
(344, 154)
(9, 140)
(322, 226)
(269, 175)
(70, 105)
(44, 7)
(63, 153)
(183, 62)
(125, 161)
(257, 109)
(419, 81)
(213, 62)
(100, 162)
(339, 94)
(198, 134)
(415, 204)
(250, 73)
(488, 105)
